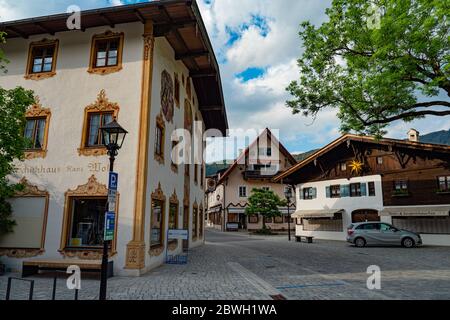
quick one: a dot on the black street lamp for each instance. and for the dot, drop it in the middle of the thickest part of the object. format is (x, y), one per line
(288, 195)
(113, 138)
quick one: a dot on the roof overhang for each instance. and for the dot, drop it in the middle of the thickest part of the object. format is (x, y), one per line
(288, 175)
(316, 214)
(179, 21)
(422, 211)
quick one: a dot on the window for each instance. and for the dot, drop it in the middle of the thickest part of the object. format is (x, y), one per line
(309, 193)
(34, 132)
(401, 187)
(159, 139)
(202, 175)
(201, 221)
(96, 115)
(265, 152)
(379, 160)
(157, 234)
(253, 219)
(369, 226)
(279, 219)
(195, 222)
(173, 216)
(106, 53)
(42, 59)
(355, 190)
(87, 222)
(444, 183)
(29, 211)
(196, 173)
(386, 227)
(343, 166)
(335, 191)
(242, 192)
(95, 122)
(174, 157)
(371, 189)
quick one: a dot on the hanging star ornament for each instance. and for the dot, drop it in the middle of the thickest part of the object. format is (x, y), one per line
(356, 166)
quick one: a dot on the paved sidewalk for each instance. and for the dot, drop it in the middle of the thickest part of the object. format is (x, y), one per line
(236, 266)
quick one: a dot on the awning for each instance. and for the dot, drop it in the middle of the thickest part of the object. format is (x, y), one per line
(307, 214)
(215, 209)
(423, 211)
(236, 210)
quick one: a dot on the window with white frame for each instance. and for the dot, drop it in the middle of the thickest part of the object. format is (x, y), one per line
(242, 192)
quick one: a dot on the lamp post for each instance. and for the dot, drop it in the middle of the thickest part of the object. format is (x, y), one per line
(113, 137)
(288, 195)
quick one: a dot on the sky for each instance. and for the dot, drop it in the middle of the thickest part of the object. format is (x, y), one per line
(257, 46)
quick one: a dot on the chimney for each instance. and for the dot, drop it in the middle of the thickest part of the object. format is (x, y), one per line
(413, 135)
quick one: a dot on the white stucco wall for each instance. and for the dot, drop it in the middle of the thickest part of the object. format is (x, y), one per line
(67, 94)
(349, 204)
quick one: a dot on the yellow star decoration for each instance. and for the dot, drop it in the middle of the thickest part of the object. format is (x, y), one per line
(356, 166)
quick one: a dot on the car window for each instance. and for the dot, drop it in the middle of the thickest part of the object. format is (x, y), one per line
(385, 227)
(369, 226)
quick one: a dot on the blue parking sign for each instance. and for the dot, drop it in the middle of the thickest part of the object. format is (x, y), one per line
(113, 181)
(110, 223)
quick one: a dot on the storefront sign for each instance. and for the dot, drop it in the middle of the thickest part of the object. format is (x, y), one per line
(233, 226)
(174, 234)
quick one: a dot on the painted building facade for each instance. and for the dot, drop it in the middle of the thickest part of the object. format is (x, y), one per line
(133, 63)
(254, 168)
(357, 179)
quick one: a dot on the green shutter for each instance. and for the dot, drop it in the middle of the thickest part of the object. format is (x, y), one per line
(328, 192)
(345, 190)
(363, 189)
(314, 193)
(301, 193)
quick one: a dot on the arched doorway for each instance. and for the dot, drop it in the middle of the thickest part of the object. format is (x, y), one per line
(364, 215)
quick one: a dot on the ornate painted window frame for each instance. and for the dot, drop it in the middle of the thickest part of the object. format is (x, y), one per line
(41, 75)
(160, 124)
(37, 111)
(107, 69)
(91, 189)
(158, 195)
(177, 90)
(102, 105)
(30, 191)
(173, 200)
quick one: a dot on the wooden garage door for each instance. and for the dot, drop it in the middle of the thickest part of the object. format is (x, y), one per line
(365, 215)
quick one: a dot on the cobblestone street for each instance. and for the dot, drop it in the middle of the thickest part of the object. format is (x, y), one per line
(238, 266)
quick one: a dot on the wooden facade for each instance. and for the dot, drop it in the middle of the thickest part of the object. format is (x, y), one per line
(396, 161)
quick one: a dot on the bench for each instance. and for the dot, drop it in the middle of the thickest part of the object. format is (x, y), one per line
(32, 267)
(308, 239)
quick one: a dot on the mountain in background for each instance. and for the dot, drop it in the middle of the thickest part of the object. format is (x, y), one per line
(438, 137)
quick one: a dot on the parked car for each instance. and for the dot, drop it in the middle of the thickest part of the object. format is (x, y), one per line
(380, 233)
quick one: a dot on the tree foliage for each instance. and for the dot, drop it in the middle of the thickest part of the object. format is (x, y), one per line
(13, 105)
(376, 62)
(264, 203)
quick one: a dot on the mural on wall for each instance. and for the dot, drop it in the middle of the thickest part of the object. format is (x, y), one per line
(187, 115)
(167, 99)
(188, 88)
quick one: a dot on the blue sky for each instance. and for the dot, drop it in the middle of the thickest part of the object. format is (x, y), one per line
(257, 44)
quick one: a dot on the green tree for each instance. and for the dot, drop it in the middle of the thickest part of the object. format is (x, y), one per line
(13, 105)
(265, 203)
(376, 62)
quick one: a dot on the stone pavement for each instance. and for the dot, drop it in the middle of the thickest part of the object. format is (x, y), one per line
(236, 266)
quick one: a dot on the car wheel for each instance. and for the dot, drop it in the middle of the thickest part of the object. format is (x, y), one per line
(360, 242)
(408, 242)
